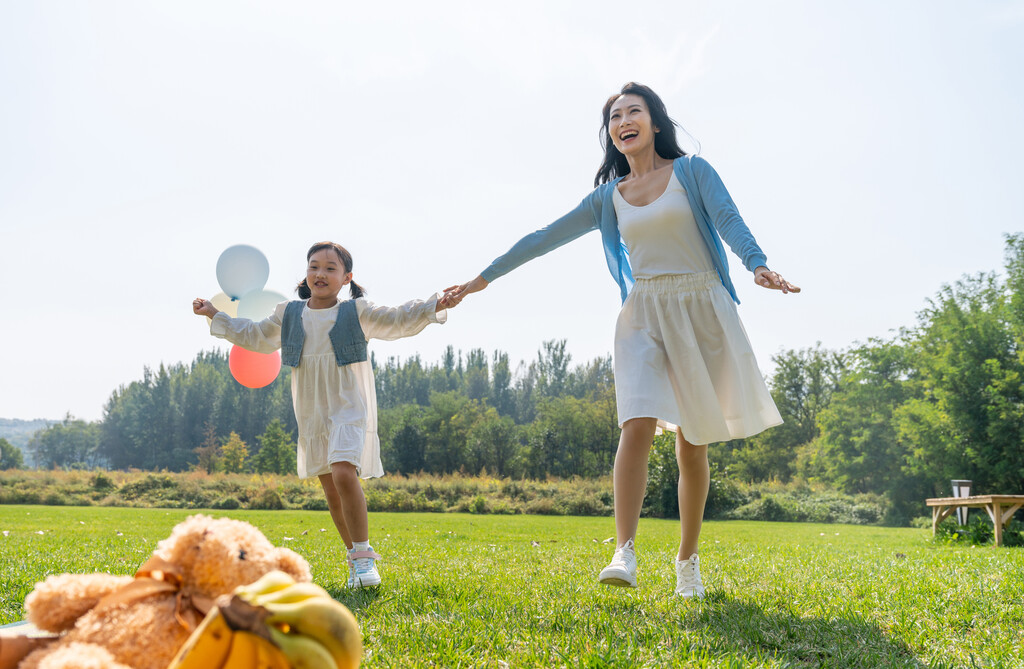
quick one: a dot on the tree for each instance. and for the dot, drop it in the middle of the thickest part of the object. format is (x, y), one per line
(968, 418)
(10, 456)
(208, 451)
(233, 455)
(403, 438)
(492, 443)
(860, 448)
(477, 384)
(71, 443)
(801, 386)
(277, 452)
(502, 398)
(553, 368)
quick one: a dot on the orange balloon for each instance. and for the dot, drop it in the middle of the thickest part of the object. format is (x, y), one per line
(254, 370)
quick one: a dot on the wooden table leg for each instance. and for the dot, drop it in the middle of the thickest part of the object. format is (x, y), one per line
(997, 520)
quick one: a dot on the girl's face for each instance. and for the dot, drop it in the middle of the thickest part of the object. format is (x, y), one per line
(326, 275)
(630, 125)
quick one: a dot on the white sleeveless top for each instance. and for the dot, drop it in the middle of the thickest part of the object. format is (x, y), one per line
(662, 237)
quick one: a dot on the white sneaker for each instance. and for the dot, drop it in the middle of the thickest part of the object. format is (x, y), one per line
(362, 569)
(688, 584)
(621, 570)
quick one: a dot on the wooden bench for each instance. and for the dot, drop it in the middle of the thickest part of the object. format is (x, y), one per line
(1000, 509)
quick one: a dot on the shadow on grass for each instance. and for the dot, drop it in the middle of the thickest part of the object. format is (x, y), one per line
(743, 628)
(355, 599)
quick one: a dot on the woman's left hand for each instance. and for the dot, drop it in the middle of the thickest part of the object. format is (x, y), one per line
(766, 278)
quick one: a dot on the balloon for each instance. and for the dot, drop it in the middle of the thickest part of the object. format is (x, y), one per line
(225, 304)
(258, 304)
(241, 269)
(253, 370)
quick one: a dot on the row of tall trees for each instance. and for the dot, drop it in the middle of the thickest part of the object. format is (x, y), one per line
(898, 416)
(465, 413)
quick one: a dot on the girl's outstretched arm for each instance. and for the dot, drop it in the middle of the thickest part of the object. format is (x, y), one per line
(380, 322)
(260, 336)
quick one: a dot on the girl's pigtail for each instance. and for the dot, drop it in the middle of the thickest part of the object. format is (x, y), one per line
(355, 290)
(303, 289)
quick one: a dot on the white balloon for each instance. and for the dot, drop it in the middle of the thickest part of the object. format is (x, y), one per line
(258, 304)
(225, 304)
(242, 269)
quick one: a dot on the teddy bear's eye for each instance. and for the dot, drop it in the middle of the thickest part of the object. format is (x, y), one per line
(241, 554)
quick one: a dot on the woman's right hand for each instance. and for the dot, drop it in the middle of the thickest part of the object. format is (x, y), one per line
(473, 286)
(203, 307)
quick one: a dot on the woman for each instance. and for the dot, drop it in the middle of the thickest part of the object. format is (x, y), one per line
(682, 359)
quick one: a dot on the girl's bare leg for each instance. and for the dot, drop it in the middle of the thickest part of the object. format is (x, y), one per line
(353, 503)
(335, 507)
(630, 475)
(694, 483)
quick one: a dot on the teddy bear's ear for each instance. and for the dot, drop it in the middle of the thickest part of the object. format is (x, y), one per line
(293, 564)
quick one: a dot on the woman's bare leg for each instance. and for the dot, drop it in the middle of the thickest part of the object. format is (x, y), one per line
(334, 506)
(630, 475)
(694, 483)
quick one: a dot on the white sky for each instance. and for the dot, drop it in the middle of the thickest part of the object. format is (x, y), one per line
(874, 149)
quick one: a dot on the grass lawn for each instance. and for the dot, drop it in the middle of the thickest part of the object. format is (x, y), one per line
(521, 591)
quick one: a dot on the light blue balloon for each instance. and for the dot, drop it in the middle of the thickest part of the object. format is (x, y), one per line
(242, 269)
(258, 304)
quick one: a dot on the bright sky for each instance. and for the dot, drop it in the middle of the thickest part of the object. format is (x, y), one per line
(874, 148)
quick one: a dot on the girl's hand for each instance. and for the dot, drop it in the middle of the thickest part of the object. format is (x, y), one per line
(203, 307)
(766, 278)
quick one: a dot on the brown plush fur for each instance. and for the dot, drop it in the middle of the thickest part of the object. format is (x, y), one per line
(216, 556)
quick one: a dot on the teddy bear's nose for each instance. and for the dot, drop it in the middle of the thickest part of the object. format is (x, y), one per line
(241, 554)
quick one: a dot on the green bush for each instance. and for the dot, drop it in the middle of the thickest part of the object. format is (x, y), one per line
(978, 531)
(151, 483)
(267, 500)
(727, 498)
(545, 506)
(102, 483)
(226, 503)
(479, 505)
(315, 504)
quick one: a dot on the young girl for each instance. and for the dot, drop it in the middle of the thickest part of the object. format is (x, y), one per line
(682, 358)
(324, 341)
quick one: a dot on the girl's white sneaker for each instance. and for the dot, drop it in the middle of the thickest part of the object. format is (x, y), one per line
(621, 570)
(688, 584)
(362, 567)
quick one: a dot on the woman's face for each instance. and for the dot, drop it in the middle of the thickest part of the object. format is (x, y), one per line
(630, 125)
(326, 275)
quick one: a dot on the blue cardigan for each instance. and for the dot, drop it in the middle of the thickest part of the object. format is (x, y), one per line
(713, 209)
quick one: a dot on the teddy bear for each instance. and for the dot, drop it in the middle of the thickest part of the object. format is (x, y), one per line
(124, 622)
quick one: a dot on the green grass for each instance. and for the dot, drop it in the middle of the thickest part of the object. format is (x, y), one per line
(474, 591)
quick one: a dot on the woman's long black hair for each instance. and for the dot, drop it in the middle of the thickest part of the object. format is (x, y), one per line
(354, 288)
(614, 164)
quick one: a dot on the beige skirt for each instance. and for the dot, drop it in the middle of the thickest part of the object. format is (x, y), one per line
(683, 357)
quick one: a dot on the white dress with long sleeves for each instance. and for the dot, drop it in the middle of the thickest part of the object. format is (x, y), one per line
(681, 353)
(335, 406)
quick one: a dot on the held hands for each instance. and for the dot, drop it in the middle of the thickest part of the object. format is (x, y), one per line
(766, 278)
(449, 300)
(202, 307)
(455, 294)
